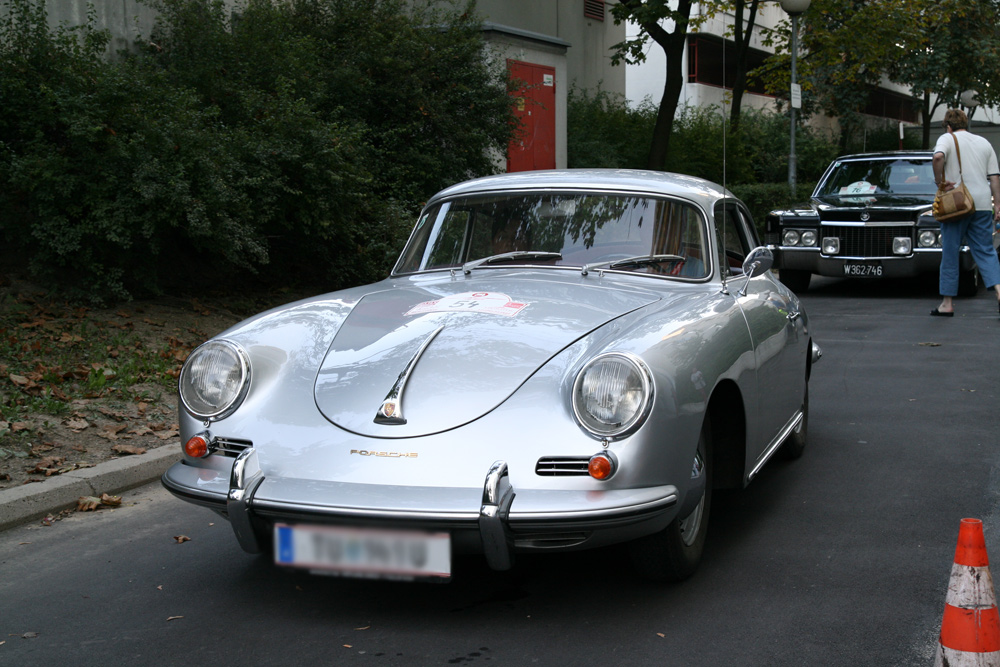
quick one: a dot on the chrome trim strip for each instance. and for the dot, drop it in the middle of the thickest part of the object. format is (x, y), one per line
(244, 479)
(391, 410)
(905, 224)
(497, 497)
(792, 424)
(611, 512)
(356, 512)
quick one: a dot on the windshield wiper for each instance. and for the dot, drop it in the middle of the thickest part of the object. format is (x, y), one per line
(640, 260)
(510, 256)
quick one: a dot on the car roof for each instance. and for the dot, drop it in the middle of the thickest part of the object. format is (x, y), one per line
(703, 191)
(885, 155)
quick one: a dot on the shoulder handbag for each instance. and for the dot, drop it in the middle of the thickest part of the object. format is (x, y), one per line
(955, 202)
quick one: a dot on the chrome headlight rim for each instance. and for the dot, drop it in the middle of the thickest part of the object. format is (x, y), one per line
(625, 428)
(230, 405)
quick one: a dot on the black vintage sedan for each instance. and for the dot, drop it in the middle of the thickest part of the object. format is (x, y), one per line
(869, 217)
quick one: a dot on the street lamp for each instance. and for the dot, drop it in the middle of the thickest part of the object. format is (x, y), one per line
(793, 8)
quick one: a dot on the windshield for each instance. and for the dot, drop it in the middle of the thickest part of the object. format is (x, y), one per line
(860, 178)
(570, 229)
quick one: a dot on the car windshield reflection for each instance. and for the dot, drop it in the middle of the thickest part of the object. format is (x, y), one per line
(562, 229)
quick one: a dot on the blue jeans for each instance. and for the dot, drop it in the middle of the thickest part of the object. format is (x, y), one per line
(977, 230)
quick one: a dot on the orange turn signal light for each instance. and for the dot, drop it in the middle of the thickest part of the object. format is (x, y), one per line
(601, 466)
(197, 446)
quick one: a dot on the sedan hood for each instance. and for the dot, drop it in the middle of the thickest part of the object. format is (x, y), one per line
(419, 360)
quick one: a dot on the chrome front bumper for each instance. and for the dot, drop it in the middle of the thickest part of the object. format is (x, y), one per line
(503, 520)
(920, 261)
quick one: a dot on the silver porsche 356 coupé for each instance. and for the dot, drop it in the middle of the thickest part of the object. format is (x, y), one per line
(559, 360)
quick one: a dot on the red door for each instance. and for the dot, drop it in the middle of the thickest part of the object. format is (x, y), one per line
(534, 147)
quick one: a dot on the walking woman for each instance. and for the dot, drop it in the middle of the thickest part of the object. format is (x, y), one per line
(981, 174)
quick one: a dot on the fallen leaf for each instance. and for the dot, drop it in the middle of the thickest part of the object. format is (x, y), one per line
(364, 628)
(173, 618)
(348, 646)
(29, 635)
(128, 449)
(87, 503)
(181, 539)
(111, 501)
(160, 587)
(660, 634)
(19, 380)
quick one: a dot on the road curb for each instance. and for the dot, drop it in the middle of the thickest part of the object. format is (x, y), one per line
(33, 501)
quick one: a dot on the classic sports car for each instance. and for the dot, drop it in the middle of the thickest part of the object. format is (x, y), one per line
(559, 360)
(869, 217)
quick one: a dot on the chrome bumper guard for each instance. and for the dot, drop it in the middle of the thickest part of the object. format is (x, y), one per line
(243, 482)
(497, 497)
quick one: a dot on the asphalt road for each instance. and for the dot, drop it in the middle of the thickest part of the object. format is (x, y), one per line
(840, 558)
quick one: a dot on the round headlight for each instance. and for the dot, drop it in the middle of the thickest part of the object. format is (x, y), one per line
(215, 379)
(791, 237)
(808, 238)
(928, 238)
(612, 394)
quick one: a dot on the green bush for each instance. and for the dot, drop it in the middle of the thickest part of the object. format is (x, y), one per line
(288, 141)
(604, 131)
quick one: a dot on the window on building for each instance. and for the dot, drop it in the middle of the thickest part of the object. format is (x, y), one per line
(705, 61)
(593, 9)
(887, 104)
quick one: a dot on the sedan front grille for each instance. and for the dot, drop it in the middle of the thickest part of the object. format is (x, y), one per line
(562, 466)
(866, 241)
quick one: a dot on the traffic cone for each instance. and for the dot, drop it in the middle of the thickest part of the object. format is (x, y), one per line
(970, 629)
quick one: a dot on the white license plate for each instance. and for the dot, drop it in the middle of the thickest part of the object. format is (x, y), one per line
(363, 551)
(863, 270)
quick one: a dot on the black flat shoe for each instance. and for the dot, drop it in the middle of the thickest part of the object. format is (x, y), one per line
(938, 313)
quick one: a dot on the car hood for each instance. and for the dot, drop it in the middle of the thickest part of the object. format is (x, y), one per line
(455, 353)
(831, 202)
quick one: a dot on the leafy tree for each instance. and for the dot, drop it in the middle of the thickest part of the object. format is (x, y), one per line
(283, 140)
(938, 48)
(656, 18)
(650, 16)
(956, 49)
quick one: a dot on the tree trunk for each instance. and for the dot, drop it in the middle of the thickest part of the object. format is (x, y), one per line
(741, 37)
(673, 44)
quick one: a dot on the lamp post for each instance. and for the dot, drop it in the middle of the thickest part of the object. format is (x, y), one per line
(793, 8)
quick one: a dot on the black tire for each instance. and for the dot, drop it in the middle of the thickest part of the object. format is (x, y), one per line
(795, 280)
(795, 443)
(969, 282)
(673, 554)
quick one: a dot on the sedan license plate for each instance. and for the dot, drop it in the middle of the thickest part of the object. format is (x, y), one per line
(364, 552)
(863, 269)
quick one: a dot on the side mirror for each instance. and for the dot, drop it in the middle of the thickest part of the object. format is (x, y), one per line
(760, 260)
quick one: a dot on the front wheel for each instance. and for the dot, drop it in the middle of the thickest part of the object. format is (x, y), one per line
(673, 554)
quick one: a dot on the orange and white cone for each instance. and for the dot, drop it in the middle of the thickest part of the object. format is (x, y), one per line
(970, 629)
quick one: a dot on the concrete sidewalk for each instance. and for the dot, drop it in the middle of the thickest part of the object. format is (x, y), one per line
(27, 502)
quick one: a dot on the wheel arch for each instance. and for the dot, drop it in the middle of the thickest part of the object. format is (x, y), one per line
(727, 420)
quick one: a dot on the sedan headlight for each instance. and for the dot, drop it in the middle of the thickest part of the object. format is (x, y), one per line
(791, 237)
(928, 238)
(215, 379)
(612, 394)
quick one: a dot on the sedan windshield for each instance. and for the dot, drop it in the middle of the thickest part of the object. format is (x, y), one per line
(861, 178)
(570, 229)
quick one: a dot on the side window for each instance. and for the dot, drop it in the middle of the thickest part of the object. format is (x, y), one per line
(733, 238)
